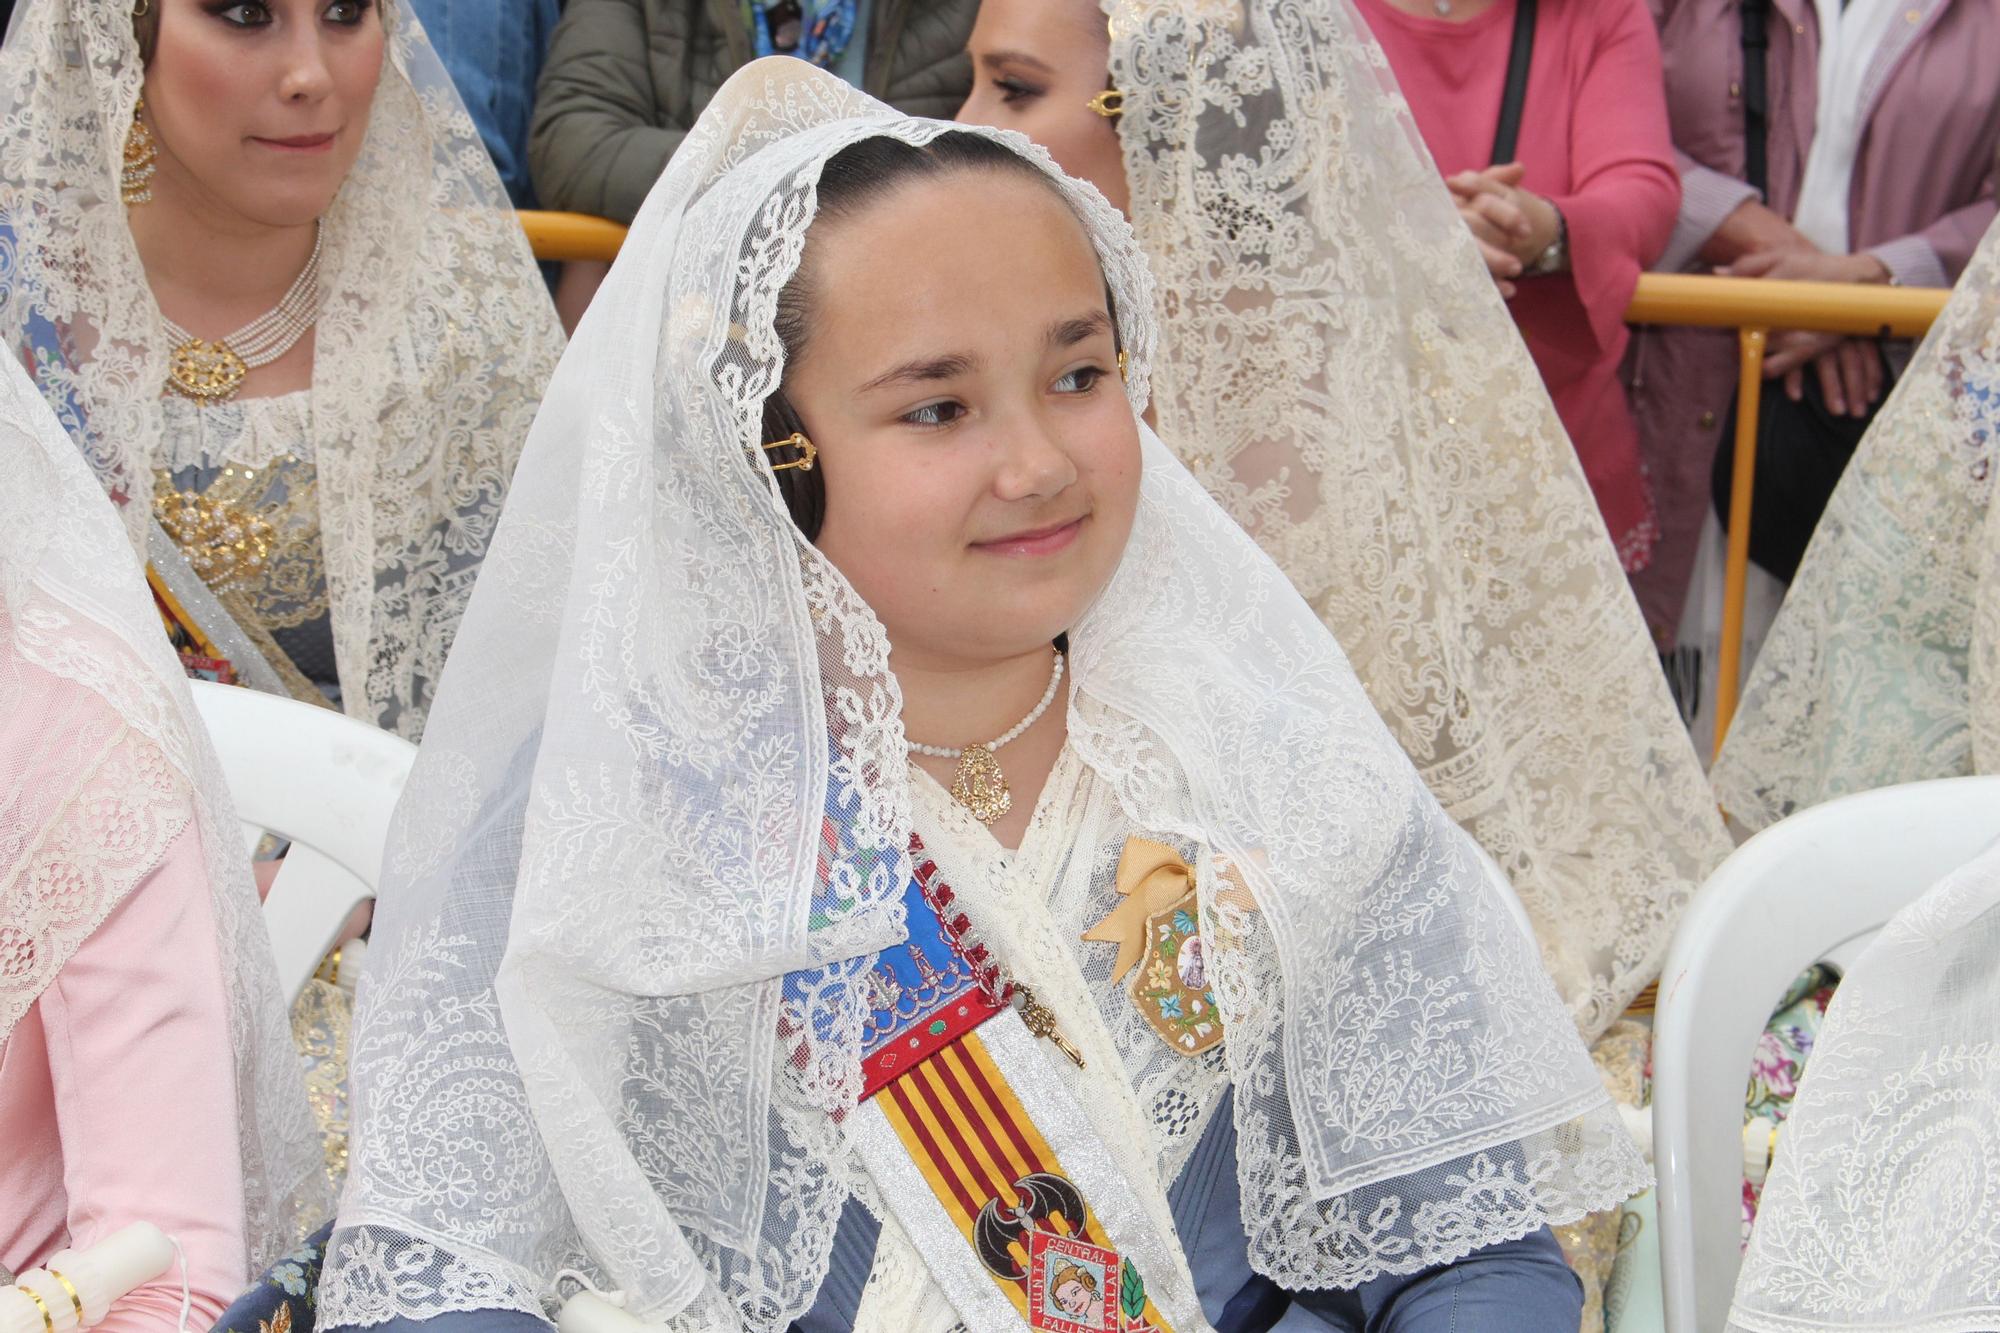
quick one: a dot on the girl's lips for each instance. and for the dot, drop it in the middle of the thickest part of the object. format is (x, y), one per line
(1040, 541)
(299, 143)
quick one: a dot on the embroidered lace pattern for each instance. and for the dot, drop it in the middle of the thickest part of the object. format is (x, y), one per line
(1880, 668)
(617, 842)
(1338, 371)
(75, 846)
(434, 341)
(1882, 1210)
(118, 767)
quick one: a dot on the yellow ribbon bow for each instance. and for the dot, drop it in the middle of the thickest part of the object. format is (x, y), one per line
(1151, 878)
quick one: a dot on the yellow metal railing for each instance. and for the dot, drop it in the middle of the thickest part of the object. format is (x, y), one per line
(1754, 307)
(563, 236)
(1751, 306)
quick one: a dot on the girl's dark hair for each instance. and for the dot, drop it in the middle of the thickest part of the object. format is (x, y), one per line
(853, 178)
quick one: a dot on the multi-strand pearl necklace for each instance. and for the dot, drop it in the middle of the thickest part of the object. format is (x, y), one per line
(213, 371)
(979, 785)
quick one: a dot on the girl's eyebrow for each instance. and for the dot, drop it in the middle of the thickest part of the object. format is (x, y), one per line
(930, 369)
(923, 371)
(1070, 332)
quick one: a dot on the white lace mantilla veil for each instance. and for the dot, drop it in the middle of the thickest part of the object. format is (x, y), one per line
(434, 343)
(618, 840)
(118, 767)
(1883, 1207)
(1338, 370)
(1881, 667)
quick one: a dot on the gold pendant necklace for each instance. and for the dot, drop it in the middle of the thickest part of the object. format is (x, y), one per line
(978, 784)
(212, 371)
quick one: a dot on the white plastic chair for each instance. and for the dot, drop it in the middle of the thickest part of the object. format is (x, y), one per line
(1811, 887)
(325, 782)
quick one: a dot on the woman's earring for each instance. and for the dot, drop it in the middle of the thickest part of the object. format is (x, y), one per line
(134, 181)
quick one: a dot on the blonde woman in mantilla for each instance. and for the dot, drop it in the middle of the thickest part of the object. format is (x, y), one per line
(1882, 665)
(255, 258)
(1338, 371)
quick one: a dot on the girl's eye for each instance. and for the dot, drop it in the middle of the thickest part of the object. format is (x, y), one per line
(935, 414)
(1081, 380)
(347, 13)
(1013, 90)
(247, 15)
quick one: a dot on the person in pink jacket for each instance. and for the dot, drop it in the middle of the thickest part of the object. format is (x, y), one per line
(146, 1066)
(1585, 202)
(1900, 100)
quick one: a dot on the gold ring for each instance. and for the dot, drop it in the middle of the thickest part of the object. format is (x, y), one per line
(48, 1320)
(74, 1299)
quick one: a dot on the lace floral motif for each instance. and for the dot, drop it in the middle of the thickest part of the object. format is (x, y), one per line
(1339, 373)
(1880, 668)
(76, 842)
(1883, 1205)
(435, 338)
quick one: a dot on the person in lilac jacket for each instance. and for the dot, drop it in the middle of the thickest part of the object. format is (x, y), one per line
(1912, 128)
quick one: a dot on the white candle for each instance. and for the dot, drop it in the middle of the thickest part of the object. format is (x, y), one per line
(100, 1275)
(587, 1312)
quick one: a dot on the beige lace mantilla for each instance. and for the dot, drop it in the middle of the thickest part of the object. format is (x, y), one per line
(1337, 369)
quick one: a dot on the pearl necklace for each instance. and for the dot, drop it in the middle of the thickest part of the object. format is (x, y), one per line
(979, 785)
(213, 371)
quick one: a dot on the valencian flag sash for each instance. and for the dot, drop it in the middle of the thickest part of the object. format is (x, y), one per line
(988, 1161)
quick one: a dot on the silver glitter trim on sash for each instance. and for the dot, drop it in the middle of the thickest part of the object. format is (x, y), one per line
(200, 603)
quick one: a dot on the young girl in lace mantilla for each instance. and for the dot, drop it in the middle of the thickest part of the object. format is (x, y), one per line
(861, 731)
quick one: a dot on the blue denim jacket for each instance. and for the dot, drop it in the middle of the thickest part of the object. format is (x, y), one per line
(493, 50)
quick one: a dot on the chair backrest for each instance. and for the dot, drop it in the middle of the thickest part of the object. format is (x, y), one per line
(326, 783)
(1805, 889)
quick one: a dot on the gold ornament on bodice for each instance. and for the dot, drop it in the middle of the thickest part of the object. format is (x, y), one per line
(226, 544)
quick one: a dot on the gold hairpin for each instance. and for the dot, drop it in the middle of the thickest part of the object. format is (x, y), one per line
(1109, 104)
(796, 440)
(1122, 376)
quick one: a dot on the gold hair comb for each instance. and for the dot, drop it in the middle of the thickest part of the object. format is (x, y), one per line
(796, 440)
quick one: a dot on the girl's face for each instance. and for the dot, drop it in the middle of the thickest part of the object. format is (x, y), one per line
(960, 378)
(1036, 66)
(260, 106)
